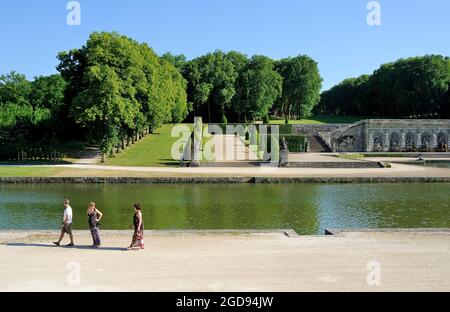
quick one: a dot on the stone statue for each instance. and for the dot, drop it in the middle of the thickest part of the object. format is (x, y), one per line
(284, 145)
(284, 153)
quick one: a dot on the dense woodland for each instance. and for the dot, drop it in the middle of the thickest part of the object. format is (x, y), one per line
(417, 87)
(113, 89)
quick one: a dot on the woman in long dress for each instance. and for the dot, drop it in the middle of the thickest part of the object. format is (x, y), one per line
(138, 221)
(94, 216)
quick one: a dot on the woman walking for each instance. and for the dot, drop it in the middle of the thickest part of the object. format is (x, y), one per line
(94, 216)
(138, 221)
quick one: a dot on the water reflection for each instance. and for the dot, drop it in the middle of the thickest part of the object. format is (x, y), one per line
(306, 208)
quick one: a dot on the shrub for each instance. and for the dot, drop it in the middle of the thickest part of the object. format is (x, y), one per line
(285, 129)
(223, 119)
(296, 143)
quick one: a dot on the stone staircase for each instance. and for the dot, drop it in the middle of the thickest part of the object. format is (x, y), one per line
(316, 145)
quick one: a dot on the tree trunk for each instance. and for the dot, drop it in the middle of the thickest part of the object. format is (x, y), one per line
(103, 158)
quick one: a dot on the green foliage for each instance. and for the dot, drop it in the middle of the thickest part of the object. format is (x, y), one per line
(211, 84)
(118, 87)
(28, 112)
(415, 87)
(296, 143)
(48, 92)
(223, 119)
(267, 119)
(301, 86)
(285, 129)
(179, 61)
(14, 89)
(248, 89)
(258, 87)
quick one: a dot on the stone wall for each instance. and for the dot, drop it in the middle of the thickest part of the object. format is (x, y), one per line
(392, 135)
(315, 129)
(226, 180)
(348, 139)
(336, 164)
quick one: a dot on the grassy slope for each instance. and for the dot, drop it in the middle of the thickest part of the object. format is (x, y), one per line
(153, 150)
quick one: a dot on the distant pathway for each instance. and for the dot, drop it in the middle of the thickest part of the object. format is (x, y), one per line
(231, 148)
(90, 156)
(397, 170)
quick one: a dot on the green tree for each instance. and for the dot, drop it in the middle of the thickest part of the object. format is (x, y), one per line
(445, 108)
(14, 89)
(179, 61)
(415, 87)
(412, 87)
(258, 87)
(211, 84)
(118, 88)
(346, 98)
(48, 92)
(301, 86)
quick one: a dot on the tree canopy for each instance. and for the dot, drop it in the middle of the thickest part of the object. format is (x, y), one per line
(408, 88)
(301, 86)
(211, 84)
(118, 87)
(258, 87)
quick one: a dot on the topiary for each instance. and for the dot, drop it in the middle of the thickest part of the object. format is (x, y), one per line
(223, 119)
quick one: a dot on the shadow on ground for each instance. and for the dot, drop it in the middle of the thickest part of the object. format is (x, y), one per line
(74, 247)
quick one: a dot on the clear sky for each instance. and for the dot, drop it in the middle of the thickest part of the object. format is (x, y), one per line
(333, 32)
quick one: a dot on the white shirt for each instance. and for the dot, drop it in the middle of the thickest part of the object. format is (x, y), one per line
(68, 214)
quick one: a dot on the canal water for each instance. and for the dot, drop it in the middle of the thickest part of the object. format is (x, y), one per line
(306, 208)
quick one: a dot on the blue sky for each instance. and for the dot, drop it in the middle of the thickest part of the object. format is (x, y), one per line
(333, 32)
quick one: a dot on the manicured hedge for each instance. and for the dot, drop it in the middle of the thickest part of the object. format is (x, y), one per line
(296, 143)
(284, 129)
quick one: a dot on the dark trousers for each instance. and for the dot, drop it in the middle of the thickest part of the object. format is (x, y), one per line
(95, 232)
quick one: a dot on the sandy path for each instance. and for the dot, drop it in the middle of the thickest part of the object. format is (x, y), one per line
(228, 262)
(231, 148)
(397, 170)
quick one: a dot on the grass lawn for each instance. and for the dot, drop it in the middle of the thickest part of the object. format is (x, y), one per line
(75, 172)
(351, 156)
(153, 150)
(317, 120)
(28, 171)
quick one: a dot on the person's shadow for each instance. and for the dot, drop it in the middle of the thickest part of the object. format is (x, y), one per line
(64, 247)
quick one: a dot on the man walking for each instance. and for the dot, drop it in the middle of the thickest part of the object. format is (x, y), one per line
(66, 226)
